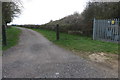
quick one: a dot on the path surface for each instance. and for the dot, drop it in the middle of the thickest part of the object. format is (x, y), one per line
(0, 65)
(36, 57)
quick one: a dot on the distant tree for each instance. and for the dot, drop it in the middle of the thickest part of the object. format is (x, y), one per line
(51, 20)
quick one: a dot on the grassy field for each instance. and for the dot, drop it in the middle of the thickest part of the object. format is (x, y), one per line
(12, 37)
(80, 43)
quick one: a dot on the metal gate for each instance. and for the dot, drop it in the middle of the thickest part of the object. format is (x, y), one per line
(106, 30)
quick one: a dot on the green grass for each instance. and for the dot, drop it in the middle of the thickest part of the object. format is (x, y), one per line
(0, 43)
(12, 37)
(80, 43)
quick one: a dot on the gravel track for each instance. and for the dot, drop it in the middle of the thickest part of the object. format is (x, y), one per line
(36, 57)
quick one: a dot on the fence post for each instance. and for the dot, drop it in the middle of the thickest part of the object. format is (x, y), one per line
(118, 29)
(0, 23)
(94, 29)
(57, 32)
(4, 41)
(4, 24)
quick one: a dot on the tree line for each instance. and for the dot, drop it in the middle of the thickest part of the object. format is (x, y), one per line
(82, 23)
(77, 23)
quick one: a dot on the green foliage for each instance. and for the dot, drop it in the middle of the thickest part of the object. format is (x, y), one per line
(12, 37)
(101, 10)
(69, 23)
(80, 43)
(84, 22)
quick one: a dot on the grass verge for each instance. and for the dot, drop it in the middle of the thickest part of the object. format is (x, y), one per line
(80, 43)
(12, 37)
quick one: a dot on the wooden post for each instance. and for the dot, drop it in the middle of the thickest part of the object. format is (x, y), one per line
(4, 41)
(57, 32)
(4, 24)
(0, 23)
(94, 30)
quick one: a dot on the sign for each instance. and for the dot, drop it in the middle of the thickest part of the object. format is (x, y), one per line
(112, 22)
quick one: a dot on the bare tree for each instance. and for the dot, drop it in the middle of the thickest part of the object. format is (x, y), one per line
(9, 11)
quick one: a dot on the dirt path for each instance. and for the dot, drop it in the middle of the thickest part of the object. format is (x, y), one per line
(36, 57)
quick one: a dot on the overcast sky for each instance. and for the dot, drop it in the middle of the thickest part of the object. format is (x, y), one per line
(42, 11)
